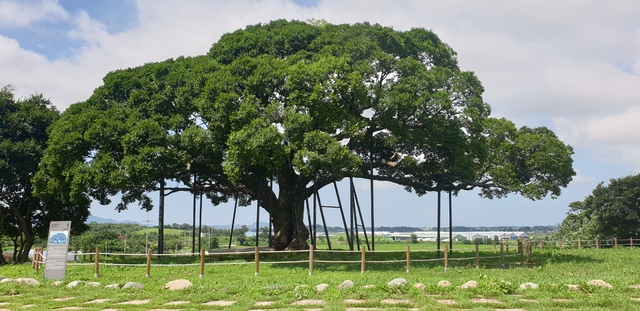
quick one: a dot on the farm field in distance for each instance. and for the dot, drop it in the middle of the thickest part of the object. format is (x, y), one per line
(289, 286)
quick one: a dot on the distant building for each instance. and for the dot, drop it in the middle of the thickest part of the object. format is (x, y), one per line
(457, 236)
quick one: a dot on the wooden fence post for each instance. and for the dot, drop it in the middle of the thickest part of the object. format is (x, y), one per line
(446, 257)
(560, 244)
(540, 244)
(362, 264)
(408, 258)
(34, 260)
(579, 244)
(96, 268)
(521, 252)
(631, 242)
(257, 261)
(529, 251)
(202, 263)
(148, 274)
(615, 241)
(310, 259)
(40, 257)
(597, 246)
(501, 253)
(477, 256)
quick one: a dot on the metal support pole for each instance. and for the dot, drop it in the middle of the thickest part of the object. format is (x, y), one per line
(438, 233)
(233, 220)
(450, 224)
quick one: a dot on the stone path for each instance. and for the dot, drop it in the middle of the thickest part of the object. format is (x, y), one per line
(305, 304)
(107, 304)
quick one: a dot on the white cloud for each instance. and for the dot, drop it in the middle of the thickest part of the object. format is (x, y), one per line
(20, 14)
(573, 65)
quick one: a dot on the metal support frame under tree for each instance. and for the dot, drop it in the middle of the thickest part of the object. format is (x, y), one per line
(352, 232)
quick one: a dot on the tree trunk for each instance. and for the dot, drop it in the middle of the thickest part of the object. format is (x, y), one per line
(290, 232)
(21, 254)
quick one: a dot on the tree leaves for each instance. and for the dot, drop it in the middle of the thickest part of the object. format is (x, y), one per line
(304, 105)
(611, 210)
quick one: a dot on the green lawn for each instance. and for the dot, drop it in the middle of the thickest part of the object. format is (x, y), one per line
(552, 270)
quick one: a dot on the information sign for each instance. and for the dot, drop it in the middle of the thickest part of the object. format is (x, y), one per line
(57, 248)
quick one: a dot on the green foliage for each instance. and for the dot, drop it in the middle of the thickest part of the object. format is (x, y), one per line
(610, 211)
(215, 244)
(304, 105)
(414, 238)
(23, 139)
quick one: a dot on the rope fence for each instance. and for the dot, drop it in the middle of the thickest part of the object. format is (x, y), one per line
(315, 256)
(522, 256)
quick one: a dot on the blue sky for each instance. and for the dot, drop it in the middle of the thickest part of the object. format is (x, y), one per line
(573, 66)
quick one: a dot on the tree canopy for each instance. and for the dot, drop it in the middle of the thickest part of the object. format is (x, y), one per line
(302, 105)
(23, 138)
(610, 211)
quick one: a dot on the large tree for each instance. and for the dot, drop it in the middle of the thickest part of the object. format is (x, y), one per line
(302, 105)
(23, 138)
(611, 210)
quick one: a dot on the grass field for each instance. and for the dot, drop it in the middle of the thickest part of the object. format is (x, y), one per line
(284, 286)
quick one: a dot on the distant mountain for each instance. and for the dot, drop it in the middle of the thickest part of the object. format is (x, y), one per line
(101, 220)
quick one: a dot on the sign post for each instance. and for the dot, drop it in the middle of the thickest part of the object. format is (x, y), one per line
(57, 248)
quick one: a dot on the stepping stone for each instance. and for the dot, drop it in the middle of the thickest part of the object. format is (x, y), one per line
(419, 286)
(446, 301)
(70, 308)
(397, 282)
(264, 303)
(178, 284)
(4, 303)
(469, 284)
(599, 283)
(220, 303)
(99, 300)
(132, 285)
(322, 287)
(346, 284)
(308, 302)
(561, 300)
(29, 306)
(444, 283)
(634, 286)
(63, 298)
(396, 301)
(528, 285)
(136, 302)
(485, 300)
(635, 299)
(175, 303)
(28, 281)
(362, 309)
(354, 301)
(74, 284)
